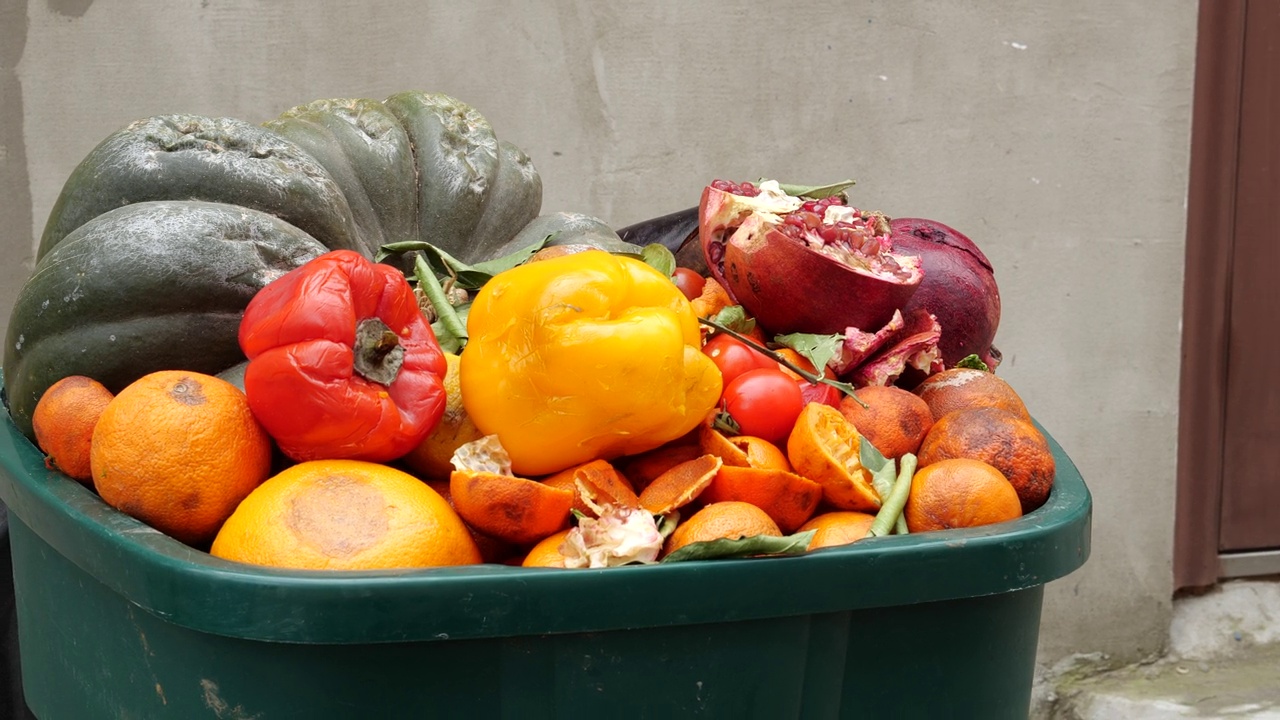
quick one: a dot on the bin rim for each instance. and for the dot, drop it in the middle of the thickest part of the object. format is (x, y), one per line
(190, 588)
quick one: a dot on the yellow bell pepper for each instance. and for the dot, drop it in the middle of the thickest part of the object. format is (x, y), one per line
(584, 356)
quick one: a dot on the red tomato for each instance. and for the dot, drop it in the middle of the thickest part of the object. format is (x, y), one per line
(735, 357)
(689, 282)
(764, 402)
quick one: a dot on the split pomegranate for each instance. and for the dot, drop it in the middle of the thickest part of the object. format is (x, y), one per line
(796, 265)
(959, 288)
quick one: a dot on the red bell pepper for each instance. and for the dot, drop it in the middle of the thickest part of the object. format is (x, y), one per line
(342, 362)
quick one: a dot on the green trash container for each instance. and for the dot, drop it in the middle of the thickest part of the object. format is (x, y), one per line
(119, 621)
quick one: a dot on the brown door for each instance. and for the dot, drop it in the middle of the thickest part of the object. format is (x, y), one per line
(1228, 520)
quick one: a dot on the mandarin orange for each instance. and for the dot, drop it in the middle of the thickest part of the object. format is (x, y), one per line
(179, 450)
(63, 422)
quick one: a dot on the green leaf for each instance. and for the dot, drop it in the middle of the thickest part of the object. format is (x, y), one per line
(883, 471)
(468, 277)
(657, 256)
(449, 341)
(973, 362)
(736, 319)
(817, 192)
(758, 545)
(817, 349)
(506, 262)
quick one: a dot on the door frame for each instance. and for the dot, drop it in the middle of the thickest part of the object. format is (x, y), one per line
(1206, 303)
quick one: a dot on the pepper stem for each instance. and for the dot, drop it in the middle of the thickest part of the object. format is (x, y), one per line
(378, 353)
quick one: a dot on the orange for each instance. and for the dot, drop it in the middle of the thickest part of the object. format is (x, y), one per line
(601, 481)
(997, 437)
(431, 459)
(824, 447)
(787, 498)
(680, 485)
(742, 450)
(179, 450)
(727, 520)
(547, 552)
(840, 527)
(510, 508)
(960, 388)
(345, 515)
(959, 493)
(894, 421)
(63, 421)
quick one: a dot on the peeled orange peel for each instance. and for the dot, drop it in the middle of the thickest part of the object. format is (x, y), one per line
(680, 485)
(594, 484)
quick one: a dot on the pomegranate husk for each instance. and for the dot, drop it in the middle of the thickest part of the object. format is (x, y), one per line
(789, 287)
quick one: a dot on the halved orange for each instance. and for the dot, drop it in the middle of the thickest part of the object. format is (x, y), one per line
(787, 498)
(510, 508)
(824, 447)
(742, 450)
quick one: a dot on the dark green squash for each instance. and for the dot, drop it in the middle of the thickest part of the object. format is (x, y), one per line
(165, 230)
(189, 157)
(148, 286)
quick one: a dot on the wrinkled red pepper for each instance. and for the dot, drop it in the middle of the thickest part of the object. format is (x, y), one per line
(342, 362)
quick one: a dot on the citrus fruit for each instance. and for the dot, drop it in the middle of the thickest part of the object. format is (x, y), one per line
(959, 388)
(431, 458)
(510, 508)
(728, 520)
(787, 498)
(894, 421)
(997, 437)
(63, 422)
(345, 515)
(839, 527)
(959, 493)
(742, 450)
(602, 482)
(680, 485)
(824, 447)
(547, 552)
(179, 450)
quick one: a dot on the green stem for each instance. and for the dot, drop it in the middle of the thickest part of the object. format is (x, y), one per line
(431, 287)
(844, 387)
(891, 508)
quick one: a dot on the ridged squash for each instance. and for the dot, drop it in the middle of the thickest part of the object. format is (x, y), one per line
(167, 228)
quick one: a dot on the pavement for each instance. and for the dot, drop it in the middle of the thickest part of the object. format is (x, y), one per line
(1222, 663)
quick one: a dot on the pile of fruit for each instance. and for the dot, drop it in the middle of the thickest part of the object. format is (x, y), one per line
(346, 339)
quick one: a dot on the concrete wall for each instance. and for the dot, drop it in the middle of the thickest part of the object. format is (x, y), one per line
(1055, 136)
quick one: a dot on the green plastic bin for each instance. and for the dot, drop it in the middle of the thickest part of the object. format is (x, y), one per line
(119, 621)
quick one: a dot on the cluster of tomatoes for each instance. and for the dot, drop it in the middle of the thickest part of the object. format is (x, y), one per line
(761, 395)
